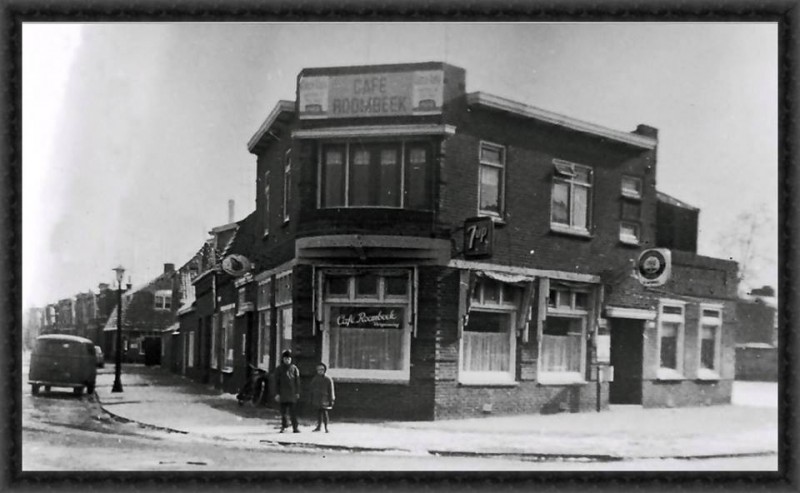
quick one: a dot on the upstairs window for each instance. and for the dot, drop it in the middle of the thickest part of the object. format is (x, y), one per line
(163, 299)
(571, 197)
(266, 203)
(287, 185)
(631, 187)
(492, 171)
(389, 175)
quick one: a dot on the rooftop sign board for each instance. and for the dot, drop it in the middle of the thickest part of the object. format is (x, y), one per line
(409, 93)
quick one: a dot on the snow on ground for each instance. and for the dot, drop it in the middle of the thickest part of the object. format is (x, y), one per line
(755, 394)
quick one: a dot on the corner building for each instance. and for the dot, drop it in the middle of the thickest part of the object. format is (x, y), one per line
(364, 185)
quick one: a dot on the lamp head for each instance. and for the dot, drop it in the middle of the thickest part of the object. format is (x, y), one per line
(120, 270)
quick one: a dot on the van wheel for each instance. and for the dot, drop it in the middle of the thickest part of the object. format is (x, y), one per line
(90, 388)
(34, 389)
(47, 388)
(78, 390)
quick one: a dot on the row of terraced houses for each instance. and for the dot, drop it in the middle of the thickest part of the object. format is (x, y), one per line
(361, 253)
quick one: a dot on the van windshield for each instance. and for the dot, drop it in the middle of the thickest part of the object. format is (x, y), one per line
(56, 347)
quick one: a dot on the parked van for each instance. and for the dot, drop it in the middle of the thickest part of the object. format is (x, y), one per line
(63, 361)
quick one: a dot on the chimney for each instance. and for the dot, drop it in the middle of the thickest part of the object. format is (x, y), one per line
(231, 204)
(169, 268)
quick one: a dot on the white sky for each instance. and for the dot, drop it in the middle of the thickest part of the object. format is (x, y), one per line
(134, 135)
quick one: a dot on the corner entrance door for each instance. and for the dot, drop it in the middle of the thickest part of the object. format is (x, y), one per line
(626, 357)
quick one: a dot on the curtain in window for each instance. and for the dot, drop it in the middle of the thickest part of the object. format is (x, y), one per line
(561, 353)
(486, 352)
(490, 189)
(669, 345)
(560, 207)
(333, 177)
(367, 349)
(707, 346)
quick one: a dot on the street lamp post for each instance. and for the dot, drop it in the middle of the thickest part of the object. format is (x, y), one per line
(117, 382)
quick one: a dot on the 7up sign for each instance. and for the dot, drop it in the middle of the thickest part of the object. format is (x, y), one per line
(478, 237)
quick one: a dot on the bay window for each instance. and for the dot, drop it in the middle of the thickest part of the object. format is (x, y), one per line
(571, 197)
(670, 339)
(368, 322)
(488, 342)
(562, 357)
(378, 174)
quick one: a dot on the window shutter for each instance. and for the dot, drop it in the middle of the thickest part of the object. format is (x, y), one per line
(526, 306)
(541, 305)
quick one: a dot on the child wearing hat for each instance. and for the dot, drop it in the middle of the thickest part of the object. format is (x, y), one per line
(322, 395)
(287, 391)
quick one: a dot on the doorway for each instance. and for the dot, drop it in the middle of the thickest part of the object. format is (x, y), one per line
(626, 357)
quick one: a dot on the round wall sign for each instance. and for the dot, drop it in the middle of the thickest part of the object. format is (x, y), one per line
(653, 267)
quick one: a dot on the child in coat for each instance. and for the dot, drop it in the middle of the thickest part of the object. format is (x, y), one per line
(322, 395)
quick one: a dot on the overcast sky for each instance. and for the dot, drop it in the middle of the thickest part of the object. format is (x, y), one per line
(134, 135)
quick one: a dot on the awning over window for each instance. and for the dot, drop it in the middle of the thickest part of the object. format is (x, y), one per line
(506, 278)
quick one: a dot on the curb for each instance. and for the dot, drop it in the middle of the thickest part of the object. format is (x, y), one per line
(122, 419)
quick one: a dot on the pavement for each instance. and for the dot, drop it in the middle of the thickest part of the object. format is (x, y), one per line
(154, 397)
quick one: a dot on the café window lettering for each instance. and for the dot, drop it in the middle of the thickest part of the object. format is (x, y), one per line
(367, 329)
(390, 175)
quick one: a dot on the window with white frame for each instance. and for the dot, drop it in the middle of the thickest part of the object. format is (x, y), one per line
(163, 299)
(264, 323)
(226, 332)
(671, 324)
(393, 174)
(631, 187)
(214, 363)
(488, 342)
(287, 185)
(709, 346)
(491, 191)
(283, 311)
(190, 351)
(630, 215)
(368, 323)
(562, 348)
(266, 217)
(571, 197)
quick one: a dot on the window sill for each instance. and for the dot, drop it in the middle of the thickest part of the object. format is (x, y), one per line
(630, 243)
(565, 230)
(486, 381)
(668, 374)
(708, 375)
(389, 381)
(632, 195)
(560, 379)
(227, 370)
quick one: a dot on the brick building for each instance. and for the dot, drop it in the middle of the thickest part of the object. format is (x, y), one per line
(364, 257)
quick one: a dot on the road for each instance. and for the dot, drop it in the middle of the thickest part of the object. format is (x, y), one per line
(64, 432)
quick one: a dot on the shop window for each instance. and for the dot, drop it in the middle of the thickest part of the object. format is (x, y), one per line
(283, 309)
(562, 347)
(368, 324)
(226, 334)
(709, 346)
(266, 217)
(670, 339)
(287, 185)
(571, 198)
(393, 175)
(264, 339)
(190, 351)
(488, 343)
(215, 337)
(631, 187)
(492, 179)
(163, 299)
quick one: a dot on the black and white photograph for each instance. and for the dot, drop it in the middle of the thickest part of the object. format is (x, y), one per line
(400, 246)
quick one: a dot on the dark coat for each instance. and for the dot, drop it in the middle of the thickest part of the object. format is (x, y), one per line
(287, 383)
(322, 394)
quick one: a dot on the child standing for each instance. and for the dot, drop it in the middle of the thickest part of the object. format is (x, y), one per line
(322, 395)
